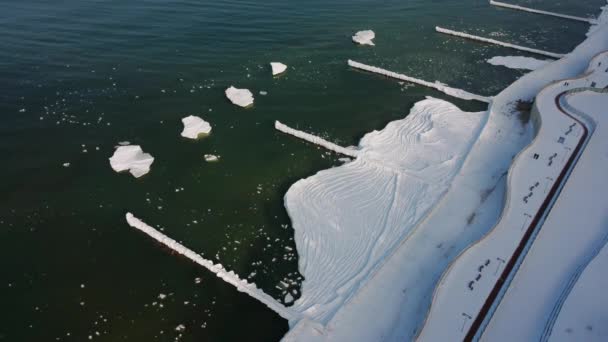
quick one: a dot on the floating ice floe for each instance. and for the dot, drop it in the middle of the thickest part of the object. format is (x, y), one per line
(211, 158)
(263, 92)
(239, 97)
(194, 127)
(66, 164)
(133, 159)
(518, 62)
(278, 68)
(364, 37)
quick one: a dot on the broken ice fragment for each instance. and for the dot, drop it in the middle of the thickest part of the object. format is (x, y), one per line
(278, 68)
(211, 158)
(239, 97)
(364, 37)
(194, 127)
(133, 159)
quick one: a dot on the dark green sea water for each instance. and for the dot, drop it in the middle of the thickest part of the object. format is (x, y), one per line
(84, 75)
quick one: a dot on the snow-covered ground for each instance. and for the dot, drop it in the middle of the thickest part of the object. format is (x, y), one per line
(343, 298)
(518, 62)
(535, 176)
(577, 227)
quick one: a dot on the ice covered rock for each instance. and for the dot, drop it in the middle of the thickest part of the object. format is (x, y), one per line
(211, 158)
(364, 37)
(278, 68)
(133, 159)
(239, 97)
(195, 126)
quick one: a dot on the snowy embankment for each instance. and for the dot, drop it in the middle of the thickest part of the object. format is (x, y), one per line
(228, 276)
(532, 10)
(518, 62)
(348, 219)
(545, 278)
(459, 93)
(315, 140)
(471, 285)
(391, 301)
(497, 42)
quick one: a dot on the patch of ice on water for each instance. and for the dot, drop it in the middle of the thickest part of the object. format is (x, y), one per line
(239, 97)
(364, 37)
(518, 62)
(278, 68)
(194, 126)
(133, 159)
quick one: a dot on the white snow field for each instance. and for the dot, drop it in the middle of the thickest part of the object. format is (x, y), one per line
(228, 276)
(473, 282)
(364, 37)
(532, 10)
(455, 92)
(577, 227)
(497, 42)
(518, 62)
(131, 158)
(341, 229)
(315, 140)
(239, 97)
(277, 68)
(194, 127)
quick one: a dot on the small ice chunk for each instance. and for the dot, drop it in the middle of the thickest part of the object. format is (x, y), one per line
(263, 92)
(288, 298)
(162, 296)
(195, 126)
(211, 158)
(277, 68)
(66, 164)
(239, 97)
(180, 328)
(198, 280)
(518, 62)
(364, 37)
(124, 143)
(133, 159)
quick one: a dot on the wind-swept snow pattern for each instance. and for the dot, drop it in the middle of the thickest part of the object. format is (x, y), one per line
(131, 158)
(228, 276)
(459, 93)
(364, 37)
(194, 127)
(278, 68)
(315, 140)
(518, 62)
(497, 42)
(348, 219)
(239, 97)
(532, 10)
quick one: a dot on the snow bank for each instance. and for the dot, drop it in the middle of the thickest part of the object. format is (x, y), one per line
(315, 140)
(194, 127)
(364, 37)
(239, 97)
(459, 93)
(228, 276)
(131, 158)
(277, 68)
(348, 219)
(496, 42)
(518, 62)
(531, 10)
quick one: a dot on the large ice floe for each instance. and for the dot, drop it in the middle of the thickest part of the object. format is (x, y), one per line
(518, 62)
(375, 235)
(278, 68)
(239, 97)
(131, 158)
(364, 37)
(195, 127)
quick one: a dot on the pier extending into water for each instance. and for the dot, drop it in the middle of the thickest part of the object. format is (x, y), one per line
(455, 92)
(228, 276)
(316, 140)
(497, 42)
(532, 10)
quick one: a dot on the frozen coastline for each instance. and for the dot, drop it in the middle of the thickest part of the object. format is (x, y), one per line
(430, 234)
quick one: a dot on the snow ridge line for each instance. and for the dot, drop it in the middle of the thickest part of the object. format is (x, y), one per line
(497, 42)
(316, 140)
(532, 10)
(459, 93)
(228, 276)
